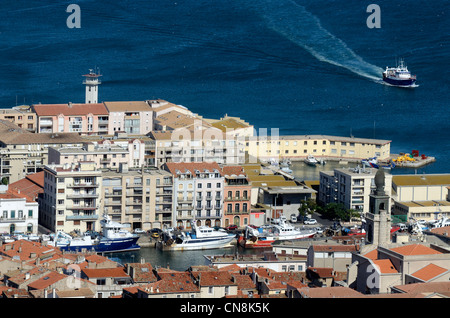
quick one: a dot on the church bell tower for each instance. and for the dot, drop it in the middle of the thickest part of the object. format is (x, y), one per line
(378, 220)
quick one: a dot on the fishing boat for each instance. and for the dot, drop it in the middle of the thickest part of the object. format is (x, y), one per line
(265, 236)
(199, 238)
(114, 238)
(399, 76)
(311, 160)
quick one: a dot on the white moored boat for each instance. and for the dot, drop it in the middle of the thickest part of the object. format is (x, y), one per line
(265, 236)
(199, 238)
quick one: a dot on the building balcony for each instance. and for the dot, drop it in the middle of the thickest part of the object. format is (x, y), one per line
(82, 196)
(82, 217)
(83, 207)
(12, 220)
(83, 185)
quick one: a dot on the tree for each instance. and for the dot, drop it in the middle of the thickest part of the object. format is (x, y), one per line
(308, 206)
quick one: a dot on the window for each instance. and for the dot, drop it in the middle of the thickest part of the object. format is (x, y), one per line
(210, 290)
(30, 213)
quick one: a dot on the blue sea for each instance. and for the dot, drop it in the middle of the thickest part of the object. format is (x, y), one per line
(302, 66)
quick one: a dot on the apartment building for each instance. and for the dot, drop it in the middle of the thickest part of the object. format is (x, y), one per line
(23, 152)
(18, 213)
(198, 193)
(71, 117)
(72, 195)
(350, 187)
(196, 145)
(132, 117)
(22, 116)
(141, 198)
(107, 154)
(237, 192)
(321, 146)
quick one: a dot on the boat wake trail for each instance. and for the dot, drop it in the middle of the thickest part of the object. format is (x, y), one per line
(301, 27)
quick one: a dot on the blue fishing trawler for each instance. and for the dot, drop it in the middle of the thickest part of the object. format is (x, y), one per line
(114, 238)
(399, 76)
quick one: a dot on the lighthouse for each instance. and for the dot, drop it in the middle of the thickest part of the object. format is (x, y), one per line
(92, 81)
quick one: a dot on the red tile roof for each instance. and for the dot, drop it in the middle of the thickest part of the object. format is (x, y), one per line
(385, 266)
(104, 272)
(46, 280)
(72, 110)
(220, 278)
(429, 272)
(415, 249)
(183, 167)
(31, 186)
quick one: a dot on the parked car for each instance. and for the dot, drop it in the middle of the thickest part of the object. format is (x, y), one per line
(231, 227)
(310, 221)
(277, 221)
(318, 230)
(293, 218)
(138, 231)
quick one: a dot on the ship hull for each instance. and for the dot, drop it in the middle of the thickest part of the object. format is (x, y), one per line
(268, 242)
(198, 244)
(398, 82)
(106, 245)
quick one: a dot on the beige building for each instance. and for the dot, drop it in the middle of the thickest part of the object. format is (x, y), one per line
(72, 195)
(76, 197)
(23, 152)
(421, 197)
(320, 146)
(350, 187)
(132, 117)
(22, 116)
(141, 198)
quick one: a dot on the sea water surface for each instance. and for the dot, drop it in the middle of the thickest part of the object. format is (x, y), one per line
(302, 66)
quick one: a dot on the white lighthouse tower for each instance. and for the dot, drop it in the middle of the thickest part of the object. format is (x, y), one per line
(92, 81)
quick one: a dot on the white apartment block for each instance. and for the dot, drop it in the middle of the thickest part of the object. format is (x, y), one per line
(350, 187)
(107, 154)
(198, 193)
(18, 213)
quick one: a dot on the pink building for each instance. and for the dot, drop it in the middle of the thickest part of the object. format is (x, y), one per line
(237, 190)
(81, 118)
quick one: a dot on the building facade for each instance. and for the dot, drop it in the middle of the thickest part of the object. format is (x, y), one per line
(71, 198)
(23, 153)
(80, 118)
(351, 187)
(320, 146)
(198, 193)
(237, 192)
(132, 117)
(140, 198)
(19, 213)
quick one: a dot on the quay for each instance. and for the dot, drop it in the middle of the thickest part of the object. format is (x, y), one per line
(406, 161)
